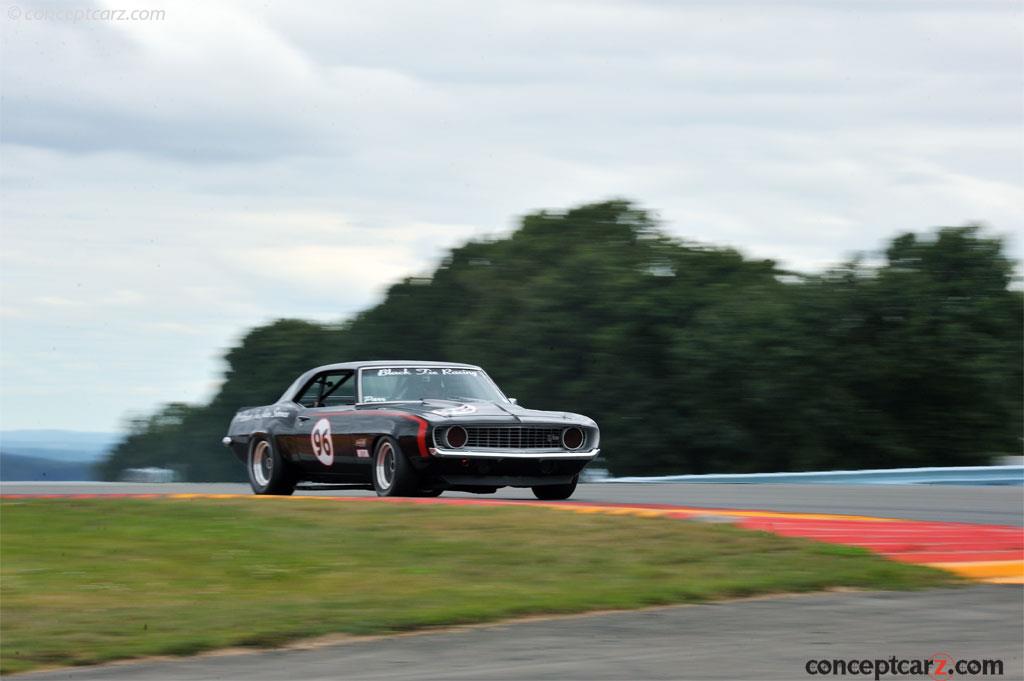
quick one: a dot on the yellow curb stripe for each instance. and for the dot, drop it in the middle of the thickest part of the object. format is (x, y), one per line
(652, 512)
(690, 511)
(794, 516)
(1003, 580)
(611, 510)
(986, 570)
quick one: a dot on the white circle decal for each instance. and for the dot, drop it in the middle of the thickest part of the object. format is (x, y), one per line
(322, 445)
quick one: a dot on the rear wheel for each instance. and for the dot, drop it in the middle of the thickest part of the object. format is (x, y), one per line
(556, 492)
(393, 475)
(268, 472)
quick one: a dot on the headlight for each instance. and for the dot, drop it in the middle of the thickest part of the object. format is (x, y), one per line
(572, 438)
(456, 437)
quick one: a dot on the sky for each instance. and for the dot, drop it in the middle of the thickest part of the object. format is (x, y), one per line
(168, 183)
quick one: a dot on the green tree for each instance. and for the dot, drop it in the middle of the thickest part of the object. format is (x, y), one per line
(692, 358)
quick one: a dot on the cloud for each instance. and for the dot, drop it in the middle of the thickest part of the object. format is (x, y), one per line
(56, 301)
(316, 268)
(167, 184)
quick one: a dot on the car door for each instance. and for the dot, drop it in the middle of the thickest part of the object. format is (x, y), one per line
(321, 443)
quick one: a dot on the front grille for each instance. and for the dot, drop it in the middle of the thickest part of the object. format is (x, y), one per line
(515, 437)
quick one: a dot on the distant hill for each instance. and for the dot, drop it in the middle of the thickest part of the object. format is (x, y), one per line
(59, 445)
(31, 468)
(52, 454)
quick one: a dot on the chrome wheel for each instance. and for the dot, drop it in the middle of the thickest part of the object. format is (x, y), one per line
(262, 463)
(385, 466)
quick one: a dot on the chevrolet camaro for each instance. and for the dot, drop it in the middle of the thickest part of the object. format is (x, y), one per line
(409, 429)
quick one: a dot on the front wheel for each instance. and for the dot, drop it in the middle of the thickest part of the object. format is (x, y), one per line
(393, 475)
(556, 492)
(268, 472)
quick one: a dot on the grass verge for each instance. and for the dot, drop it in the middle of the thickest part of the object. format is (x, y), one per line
(86, 581)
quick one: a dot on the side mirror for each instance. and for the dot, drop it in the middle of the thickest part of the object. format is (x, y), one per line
(513, 400)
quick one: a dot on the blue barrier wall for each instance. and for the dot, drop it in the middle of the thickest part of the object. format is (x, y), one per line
(964, 475)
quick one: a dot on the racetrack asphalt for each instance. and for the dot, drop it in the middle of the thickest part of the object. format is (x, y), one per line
(765, 638)
(987, 505)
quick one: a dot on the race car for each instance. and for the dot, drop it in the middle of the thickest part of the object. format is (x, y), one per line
(409, 428)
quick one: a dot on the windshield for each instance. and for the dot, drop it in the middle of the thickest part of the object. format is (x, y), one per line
(405, 384)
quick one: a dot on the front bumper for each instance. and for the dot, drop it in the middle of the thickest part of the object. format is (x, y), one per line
(468, 471)
(512, 454)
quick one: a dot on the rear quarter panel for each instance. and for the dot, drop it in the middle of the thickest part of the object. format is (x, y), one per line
(250, 422)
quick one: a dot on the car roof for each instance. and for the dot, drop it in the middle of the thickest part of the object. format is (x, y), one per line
(353, 366)
(390, 363)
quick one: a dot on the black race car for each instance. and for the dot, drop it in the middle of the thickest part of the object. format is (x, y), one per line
(409, 429)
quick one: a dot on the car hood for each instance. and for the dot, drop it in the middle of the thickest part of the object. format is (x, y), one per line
(442, 411)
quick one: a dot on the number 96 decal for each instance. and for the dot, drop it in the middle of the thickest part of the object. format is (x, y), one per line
(321, 438)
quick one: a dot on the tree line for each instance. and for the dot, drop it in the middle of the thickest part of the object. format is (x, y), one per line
(692, 358)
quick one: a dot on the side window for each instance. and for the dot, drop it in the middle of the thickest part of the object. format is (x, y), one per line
(329, 390)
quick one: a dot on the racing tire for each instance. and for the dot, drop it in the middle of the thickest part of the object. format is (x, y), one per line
(393, 475)
(268, 472)
(556, 492)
